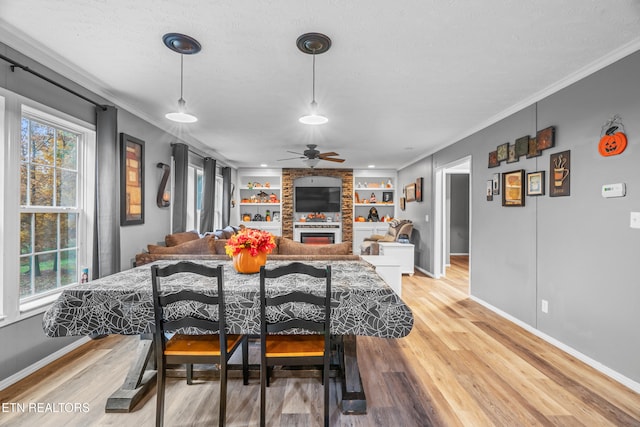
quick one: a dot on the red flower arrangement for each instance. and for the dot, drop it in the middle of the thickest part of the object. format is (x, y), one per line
(256, 241)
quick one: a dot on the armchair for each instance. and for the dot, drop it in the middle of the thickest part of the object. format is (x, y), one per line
(397, 227)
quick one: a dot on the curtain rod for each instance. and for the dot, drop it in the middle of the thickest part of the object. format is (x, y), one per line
(15, 64)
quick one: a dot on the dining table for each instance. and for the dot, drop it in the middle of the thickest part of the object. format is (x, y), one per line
(363, 304)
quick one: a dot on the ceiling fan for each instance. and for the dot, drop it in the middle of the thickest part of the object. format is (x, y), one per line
(312, 156)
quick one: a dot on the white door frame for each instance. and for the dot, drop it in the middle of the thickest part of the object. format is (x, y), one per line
(440, 233)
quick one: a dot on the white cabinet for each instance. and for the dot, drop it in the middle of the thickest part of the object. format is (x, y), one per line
(260, 193)
(402, 252)
(389, 269)
(362, 230)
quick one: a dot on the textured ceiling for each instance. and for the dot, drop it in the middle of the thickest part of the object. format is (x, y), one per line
(401, 79)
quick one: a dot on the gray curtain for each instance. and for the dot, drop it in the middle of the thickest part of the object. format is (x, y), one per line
(208, 195)
(226, 196)
(181, 161)
(106, 241)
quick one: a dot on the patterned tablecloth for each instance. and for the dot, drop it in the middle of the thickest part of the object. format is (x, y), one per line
(121, 303)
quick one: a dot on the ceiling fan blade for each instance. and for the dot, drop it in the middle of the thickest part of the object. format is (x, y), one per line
(295, 152)
(330, 153)
(292, 158)
(332, 159)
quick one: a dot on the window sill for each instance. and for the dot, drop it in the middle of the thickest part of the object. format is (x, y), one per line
(39, 305)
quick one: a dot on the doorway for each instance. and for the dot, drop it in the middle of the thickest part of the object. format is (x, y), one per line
(452, 215)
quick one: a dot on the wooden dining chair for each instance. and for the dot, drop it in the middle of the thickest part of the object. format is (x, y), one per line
(214, 346)
(300, 349)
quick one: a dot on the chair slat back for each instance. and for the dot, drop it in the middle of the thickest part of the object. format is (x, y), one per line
(188, 320)
(320, 325)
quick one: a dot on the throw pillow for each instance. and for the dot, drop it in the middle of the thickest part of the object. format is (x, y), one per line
(194, 247)
(291, 247)
(176, 239)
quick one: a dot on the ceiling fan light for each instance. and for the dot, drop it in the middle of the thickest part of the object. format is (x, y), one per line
(311, 162)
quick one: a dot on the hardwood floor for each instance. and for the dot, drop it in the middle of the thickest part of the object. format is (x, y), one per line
(462, 365)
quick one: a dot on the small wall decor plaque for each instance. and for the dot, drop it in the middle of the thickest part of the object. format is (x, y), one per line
(535, 183)
(559, 171)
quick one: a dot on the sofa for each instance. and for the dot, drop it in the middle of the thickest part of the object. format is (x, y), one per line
(190, 245)
(397, 228)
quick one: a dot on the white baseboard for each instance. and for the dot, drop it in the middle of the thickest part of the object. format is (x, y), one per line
(422, 270)
(627, 382)
(42, 363)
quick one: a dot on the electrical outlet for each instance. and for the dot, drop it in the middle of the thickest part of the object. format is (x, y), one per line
(544, 306)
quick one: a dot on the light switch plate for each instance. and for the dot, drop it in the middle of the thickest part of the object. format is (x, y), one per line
(635, 220)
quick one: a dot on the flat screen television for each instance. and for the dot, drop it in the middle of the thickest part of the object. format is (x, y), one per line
(317, 199)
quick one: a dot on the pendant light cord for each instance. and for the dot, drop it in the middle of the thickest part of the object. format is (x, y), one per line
(314, 77)
(181, 73)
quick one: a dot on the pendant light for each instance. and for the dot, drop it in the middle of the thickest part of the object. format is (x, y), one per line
(184, 45)
(313, 44)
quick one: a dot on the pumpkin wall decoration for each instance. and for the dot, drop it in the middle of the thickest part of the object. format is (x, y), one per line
(613, 140)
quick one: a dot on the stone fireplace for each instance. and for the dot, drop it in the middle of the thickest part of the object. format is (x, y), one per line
(288, 215)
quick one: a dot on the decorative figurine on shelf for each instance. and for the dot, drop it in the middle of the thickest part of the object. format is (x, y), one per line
(389, 185)
(357, 197)
(372, 199)
(273, 198)
(267, 216)
(373, 215)
(250, 185)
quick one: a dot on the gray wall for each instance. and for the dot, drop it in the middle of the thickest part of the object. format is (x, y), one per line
(415, 211)
(576, 252)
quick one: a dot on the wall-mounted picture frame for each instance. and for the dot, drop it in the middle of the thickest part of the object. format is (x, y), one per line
(403, 203)
(496, 184)
(410, 192)
(546, 138)
(513, 188)
(559, 174)
(503, 152)
(533, 148)
(419, 182)
(489, 190)
(522, 146)
(511, 157)
(387, 197)
(131, 180)
(535, 183)
(493, 159)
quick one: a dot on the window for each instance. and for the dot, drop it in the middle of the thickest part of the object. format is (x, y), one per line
(217, 215)
(47, 204)
(194, 197)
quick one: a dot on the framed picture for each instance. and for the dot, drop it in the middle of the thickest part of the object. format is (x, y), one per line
(387, 196)
(131, 180)
(559, 170)
(403, 204)
(535, 183)
(419, 189)
(493, 159)
(546, 138)
(533, 148)
(496, 184)
(489, 190)
(513, 188)
(410, 192)
(522, 146)
(511, 157)
(503, 152)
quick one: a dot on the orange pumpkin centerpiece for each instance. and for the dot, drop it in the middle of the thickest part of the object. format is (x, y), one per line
(249, 249)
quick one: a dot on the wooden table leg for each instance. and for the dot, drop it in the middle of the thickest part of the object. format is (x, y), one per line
(354, 400)
(140, 377)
